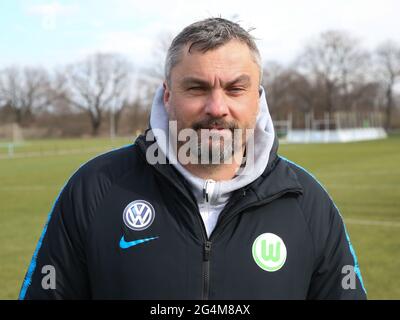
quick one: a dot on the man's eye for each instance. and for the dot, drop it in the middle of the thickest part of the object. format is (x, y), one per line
(196, 89)
(235, 89)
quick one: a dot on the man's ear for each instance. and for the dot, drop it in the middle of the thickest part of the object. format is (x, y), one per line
(166, 95)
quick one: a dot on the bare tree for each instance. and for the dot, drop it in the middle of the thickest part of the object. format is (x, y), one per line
(334, 63)
(287, 90)
(24, 91)
(97, 84)
(272, 82)
(58, 95)
(388, 63)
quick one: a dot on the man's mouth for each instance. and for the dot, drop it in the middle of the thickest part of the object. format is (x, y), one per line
(215, 125)
(216, 128)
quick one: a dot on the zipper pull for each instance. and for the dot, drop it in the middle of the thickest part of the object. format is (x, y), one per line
(207, 250)
(208, 190)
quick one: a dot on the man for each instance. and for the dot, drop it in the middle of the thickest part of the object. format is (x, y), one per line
(207, 209)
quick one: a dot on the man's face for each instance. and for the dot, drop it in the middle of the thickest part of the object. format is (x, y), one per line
(216, 90)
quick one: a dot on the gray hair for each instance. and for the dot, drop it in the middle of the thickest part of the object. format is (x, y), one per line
(207, 35)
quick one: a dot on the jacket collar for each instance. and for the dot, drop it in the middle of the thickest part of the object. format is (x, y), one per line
(277, 177)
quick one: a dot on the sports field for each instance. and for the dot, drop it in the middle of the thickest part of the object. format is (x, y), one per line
(363, 178)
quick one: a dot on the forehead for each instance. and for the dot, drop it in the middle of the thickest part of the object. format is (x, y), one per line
(224, 62)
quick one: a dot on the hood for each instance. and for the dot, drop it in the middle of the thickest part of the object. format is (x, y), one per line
(264, 137)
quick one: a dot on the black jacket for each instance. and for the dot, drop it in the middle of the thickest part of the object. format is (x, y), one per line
(90, 242)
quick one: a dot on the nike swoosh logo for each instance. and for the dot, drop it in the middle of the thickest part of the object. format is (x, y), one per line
(127, 244)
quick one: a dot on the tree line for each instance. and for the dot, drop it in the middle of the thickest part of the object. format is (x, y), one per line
(331, 73)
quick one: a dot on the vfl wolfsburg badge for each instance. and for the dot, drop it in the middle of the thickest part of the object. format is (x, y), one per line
(269, 252)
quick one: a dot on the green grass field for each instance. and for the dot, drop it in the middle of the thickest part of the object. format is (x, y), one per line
(363, 179)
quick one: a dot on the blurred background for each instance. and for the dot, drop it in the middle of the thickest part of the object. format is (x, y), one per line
(77, 78)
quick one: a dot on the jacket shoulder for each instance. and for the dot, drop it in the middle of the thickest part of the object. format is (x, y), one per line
(313, 190)
(90, 183)
(107, 166)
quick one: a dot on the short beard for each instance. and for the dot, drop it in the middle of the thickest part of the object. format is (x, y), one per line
(214, 148)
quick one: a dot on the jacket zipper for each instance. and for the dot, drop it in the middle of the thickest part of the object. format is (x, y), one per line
(208, 189)
(206, 242)
(206, 270)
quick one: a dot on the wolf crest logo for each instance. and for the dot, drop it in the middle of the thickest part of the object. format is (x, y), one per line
(138, 215)
(269, 252)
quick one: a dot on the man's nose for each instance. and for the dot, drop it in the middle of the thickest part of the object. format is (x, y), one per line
(216, 105)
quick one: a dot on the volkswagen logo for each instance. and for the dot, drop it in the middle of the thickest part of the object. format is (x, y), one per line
(138, 215)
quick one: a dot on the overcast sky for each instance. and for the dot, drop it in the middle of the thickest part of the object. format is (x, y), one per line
(50, 33)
